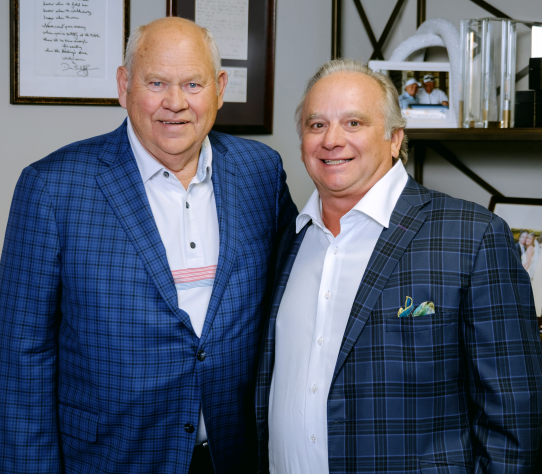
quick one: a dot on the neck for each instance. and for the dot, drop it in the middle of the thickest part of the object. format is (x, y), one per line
(334, 208)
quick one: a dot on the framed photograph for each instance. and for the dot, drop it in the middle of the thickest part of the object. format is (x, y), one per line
(245, 33)
(425, 92)
(524, 216)
(67, 52)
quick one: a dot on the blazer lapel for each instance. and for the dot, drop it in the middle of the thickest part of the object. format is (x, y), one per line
(405, 222)
(123, 187)
(225, 185)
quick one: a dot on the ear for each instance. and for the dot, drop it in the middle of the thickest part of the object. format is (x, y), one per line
(222, 83)
(122, 85)
(396, 140)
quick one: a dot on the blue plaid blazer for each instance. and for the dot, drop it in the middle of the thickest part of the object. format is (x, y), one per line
(98, 364)
(459, 391)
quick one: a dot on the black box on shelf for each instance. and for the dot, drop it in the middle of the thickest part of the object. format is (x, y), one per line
(528, 110)
(535, 76)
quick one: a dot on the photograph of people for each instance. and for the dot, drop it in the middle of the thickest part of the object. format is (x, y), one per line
(530, 257)
(407, 98)
(429, 94)
(520, 245)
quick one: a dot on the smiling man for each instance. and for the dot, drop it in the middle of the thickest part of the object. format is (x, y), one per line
(402, 335)
(132, 278)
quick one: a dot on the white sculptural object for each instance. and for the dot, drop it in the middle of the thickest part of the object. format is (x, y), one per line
(437, 32)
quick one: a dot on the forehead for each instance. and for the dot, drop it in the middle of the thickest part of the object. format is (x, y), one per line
(173, 49)
(341, 92)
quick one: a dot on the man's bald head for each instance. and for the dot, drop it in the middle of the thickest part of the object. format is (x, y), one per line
(142, 38)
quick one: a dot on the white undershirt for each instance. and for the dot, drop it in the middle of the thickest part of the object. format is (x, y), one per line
(189, 234)
(312, 319)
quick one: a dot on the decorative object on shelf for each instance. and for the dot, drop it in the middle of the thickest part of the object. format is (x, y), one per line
(426, 91)
(246, 38)
(437, 32)
(65, 52)
(524, 216)
(488, 73)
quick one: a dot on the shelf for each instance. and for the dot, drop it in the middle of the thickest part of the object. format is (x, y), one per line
(476, 134)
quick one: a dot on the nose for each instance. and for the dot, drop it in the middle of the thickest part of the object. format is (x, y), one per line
(175, 99)
(334, 137)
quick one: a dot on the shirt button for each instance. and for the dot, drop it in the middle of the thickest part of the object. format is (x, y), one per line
(187, 206)
(314, 388)
(202, 355)
(313, 439)
(328, 295)
(189, 428)
(336, 249)
(192, 245)
(166, 174)
(320, 340)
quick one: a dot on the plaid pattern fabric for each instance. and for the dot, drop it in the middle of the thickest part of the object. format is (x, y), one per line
(458, 391)
(98, 365)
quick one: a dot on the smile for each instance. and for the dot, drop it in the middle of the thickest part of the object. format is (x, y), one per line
(173, 123)
(336, 162)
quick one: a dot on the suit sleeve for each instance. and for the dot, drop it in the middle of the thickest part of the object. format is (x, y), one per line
(286, 209)
(29, 289)
(504, 357)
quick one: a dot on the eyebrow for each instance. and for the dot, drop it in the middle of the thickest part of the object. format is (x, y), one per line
(350, 114)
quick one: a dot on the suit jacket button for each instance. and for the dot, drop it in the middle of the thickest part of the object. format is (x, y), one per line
(202, 355)
(189, 428)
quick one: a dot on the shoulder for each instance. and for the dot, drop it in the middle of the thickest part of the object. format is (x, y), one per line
(245, 152)
(449, 213)
(78, 155)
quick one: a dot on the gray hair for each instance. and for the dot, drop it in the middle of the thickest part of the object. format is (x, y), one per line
(393, 118)
(135, 37)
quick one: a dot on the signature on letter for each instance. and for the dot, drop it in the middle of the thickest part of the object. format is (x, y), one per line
(82, 70)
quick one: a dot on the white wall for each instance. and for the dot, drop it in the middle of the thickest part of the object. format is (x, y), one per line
(28, 133)
(514, 169)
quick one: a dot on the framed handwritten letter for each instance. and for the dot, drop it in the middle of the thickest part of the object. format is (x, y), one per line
(67, 51)
(245, 33)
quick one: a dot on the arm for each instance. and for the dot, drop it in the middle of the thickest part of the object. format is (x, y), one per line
(286, 209)
(29, 289)
(528, 257)
(504, 358)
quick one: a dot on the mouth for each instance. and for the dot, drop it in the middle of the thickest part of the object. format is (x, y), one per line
(336, 162)
(172, 123)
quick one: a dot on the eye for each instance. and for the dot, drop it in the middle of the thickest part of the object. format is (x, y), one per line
(317, 125)
(353, 123)
(156, 84)
(192, 85)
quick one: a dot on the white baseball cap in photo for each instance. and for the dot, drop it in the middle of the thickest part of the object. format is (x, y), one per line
(428, 78)
(412, 81)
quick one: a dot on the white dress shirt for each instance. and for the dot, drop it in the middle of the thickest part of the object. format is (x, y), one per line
(188, 225)
(312, 319)
(437, 97)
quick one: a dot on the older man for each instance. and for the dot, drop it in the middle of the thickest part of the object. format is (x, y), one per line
(407, 98)
(429, 95)
(132, 278)
(402, 336)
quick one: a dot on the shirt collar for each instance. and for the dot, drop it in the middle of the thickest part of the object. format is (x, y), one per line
(378, 203)
(149, 166)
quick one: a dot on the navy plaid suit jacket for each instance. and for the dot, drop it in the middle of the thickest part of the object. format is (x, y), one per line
(459, 391)
(98, 364)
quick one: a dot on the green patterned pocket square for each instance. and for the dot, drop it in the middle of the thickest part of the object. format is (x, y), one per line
(425, 308)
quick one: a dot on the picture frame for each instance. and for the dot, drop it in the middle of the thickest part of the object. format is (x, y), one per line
(65, 52)
(422, 115)
(251, 73)
(524, 217)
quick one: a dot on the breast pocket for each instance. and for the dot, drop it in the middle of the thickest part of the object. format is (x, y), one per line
(78, 423)
(429, 322)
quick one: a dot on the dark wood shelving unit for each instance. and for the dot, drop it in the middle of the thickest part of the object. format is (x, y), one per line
(421, 138)
(476, 134)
